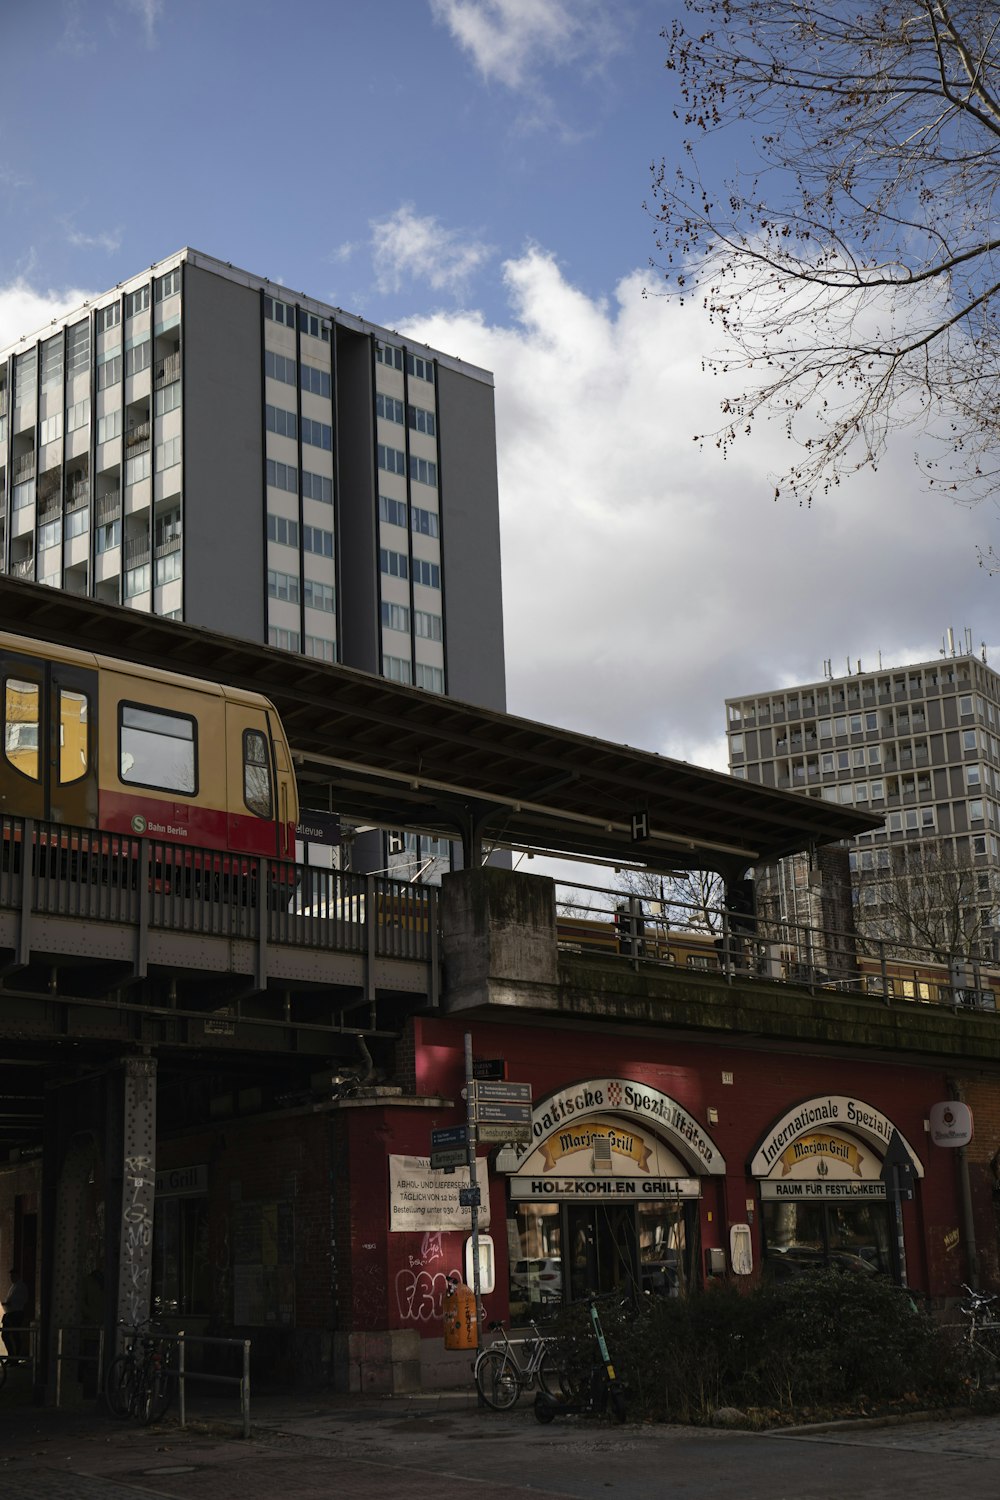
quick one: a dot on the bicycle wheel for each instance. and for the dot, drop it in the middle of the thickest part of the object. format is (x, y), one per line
(119, 1386)
(553, 1378)
(496, 1378)
(157, 1391)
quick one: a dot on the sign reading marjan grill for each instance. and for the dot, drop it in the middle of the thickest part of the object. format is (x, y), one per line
(828, 1147)
(621, 1104)
(602, 1157)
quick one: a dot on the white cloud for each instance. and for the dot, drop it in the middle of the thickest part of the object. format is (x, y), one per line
(410, 246)
(646, 579)
(109, 242)
(512, 40)
(25, 311)
(148, 12)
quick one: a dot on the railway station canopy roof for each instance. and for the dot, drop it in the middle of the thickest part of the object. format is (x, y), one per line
(399, 757)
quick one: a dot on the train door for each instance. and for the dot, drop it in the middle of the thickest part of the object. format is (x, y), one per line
(48, 769)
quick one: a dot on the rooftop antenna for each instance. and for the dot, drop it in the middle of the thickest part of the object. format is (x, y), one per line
(951, 640)
(968, 641)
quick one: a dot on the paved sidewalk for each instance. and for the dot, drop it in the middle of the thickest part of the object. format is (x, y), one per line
(442, 1446)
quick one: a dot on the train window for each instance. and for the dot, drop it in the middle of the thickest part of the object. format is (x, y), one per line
(72, 735)
(256, 773)
(20, 726)
(156, 748)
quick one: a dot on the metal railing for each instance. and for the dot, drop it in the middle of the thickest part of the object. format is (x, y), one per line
(76, 1346)
(740, 946)
(184, 1375)
(55, 870)
(167, 370)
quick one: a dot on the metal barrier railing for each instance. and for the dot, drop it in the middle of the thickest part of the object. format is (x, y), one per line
(736, 945)
(31, 1331)
(69, 1350)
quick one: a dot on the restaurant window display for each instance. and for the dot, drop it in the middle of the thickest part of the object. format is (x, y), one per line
(823, 1201)
(604, 1199)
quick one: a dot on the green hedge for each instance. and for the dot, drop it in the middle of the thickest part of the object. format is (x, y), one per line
(829, 1339)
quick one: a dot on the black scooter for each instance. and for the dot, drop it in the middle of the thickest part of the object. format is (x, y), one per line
(603, 1388)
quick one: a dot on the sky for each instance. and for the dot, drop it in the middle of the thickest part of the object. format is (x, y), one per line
(474, 173)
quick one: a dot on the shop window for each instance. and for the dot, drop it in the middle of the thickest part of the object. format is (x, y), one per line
(535, 1248)
(800, 1237)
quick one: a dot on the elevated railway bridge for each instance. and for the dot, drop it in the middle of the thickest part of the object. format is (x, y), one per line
(146, 987)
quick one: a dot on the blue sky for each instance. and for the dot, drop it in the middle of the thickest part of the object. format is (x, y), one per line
(473, 171)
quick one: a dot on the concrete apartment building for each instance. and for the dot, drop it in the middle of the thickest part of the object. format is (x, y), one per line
(920, 744)
(209, 446)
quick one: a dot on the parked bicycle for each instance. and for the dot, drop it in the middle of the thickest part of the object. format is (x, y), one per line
(500, 1375)
(140, 1381)
(982, 1335)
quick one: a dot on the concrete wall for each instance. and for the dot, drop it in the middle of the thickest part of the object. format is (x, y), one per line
(223, 468)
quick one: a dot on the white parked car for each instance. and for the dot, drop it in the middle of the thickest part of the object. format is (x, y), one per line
(537, 1279)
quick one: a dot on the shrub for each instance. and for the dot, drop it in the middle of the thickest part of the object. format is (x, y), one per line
(829, 1338)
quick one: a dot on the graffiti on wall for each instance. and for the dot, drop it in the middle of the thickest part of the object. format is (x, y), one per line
(137, 1237)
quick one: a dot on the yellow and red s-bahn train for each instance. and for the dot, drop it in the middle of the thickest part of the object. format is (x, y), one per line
(95, 742)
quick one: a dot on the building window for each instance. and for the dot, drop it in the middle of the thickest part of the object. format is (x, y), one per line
(965, 705)
(283, 586)
(284, 640)
(279, 312)
(168, 454)
(109, 317)
(137, 469)
(77, 522)
(108, 536)
(319, 595)
(395, 616)
(137, 302)
(319, 434)
(391, 460)
(397, 669)
(166, 286)
(431, 678)
(423, 522)
(315, 380)
(110, 426)
(138, 356)
(282, 530)
(283, 476)
(421, 420)
(167, 568)
(389, 408)
(316, 328)
(422, 369)
(422, 470)
(388, 354)
(279, 368)
(392, 511)
(972, 776)
(321, 648)
(77, 348)
(317, 541)
(137, 581)
(427, 626)
(968, 739)
(25, 373)
(395, 564)
(278, 420)
(317, 487)
(109, 368)
(49, 535)
(52, 361)
(168, 398)
(78, 415)
(50, 429)
(427, 573)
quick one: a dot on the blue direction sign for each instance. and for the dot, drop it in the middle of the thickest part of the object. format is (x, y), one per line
(449, 1137)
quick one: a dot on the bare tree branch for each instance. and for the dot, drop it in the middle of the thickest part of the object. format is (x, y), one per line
(849, 263)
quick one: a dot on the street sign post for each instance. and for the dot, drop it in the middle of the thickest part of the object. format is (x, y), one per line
(500, 1092)
(448, 1160)
(449, 1136)
(502, 1134)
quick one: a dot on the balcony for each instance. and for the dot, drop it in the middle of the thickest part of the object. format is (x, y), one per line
(166, 371)
(24, 468)
(136, 551)
(109, 506)
(24, 567)
(3, 403)
(137, 439)
(167, 545)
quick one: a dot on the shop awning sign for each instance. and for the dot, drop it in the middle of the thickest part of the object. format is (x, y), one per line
(951, 1123)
